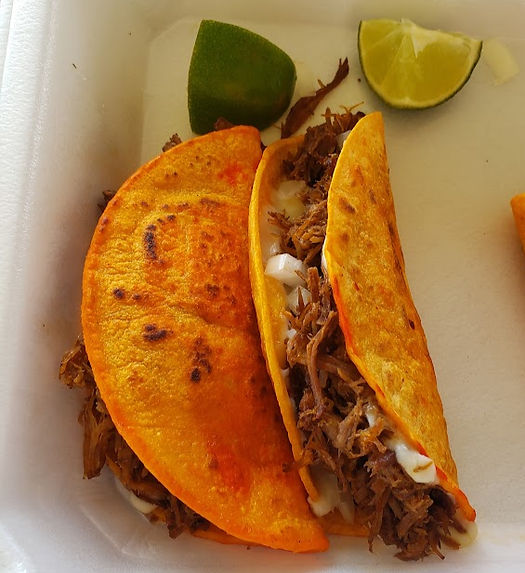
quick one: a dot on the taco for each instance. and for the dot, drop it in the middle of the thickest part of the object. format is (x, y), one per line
(192, 424)
(344, 343)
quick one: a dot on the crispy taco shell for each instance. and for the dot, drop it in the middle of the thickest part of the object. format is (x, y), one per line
(381, 327)
(171, 335)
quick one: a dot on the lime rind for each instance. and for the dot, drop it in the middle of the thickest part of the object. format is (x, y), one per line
(237, 75)
(409, 67)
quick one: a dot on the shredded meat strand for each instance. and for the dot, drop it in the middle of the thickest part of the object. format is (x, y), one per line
(107, 195)
(222, 123)
(173, 141)
(305, 106)
(103, 445)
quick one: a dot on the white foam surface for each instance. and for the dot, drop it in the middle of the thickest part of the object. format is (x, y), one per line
(89, 90)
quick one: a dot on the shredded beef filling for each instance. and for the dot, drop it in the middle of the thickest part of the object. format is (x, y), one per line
(332, 398)
(103, 445)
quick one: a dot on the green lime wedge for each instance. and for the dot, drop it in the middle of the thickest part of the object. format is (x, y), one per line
(412, 67)
(237, 75)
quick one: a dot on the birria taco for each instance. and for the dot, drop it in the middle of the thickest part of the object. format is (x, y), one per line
(344, 343)
(179, 404)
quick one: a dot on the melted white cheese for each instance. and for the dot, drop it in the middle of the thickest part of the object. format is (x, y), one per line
(419, 467)
(468, 536)
(330, 497)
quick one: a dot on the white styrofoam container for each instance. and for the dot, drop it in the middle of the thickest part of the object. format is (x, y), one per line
(88, 91)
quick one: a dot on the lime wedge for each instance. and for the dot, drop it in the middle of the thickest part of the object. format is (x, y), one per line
(237, 75)
(413, 67)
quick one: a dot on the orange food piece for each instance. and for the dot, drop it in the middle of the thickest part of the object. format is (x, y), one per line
(517, 204)
(213, 533)
(383, 332)
(171, 335)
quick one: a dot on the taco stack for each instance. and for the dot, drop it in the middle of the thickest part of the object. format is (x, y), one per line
(344, 343)
(180, 405)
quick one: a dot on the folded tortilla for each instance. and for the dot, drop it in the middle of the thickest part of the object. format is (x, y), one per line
(171, 335)
(383, 336)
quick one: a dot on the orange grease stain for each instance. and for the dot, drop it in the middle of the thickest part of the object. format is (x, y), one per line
(225, 462)
(232, 173)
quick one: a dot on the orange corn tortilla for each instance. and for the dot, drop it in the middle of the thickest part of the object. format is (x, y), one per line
(517, 204)
(171, 335)
(268, 293)
(213, 533)
(383, 333)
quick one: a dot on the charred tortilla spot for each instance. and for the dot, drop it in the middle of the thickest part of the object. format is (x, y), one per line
(136, 296)
(392, 232)
(212, 290)
(211, 204)
(150, 242)
(411, 324)
(287, 467)
(195, 375)
(397, 263)
(118, 293)
(170, 217)
(346, 206)
(200, 356)
(181, 207)
(152, 333)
